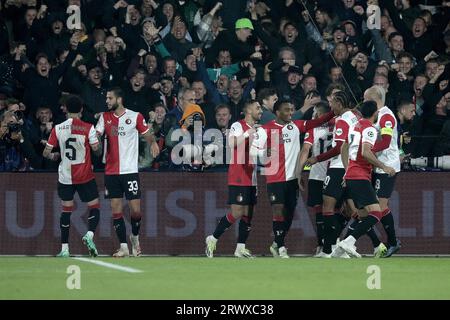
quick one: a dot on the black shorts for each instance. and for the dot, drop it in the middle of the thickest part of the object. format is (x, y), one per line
(242, 195)
(383, 184)
(117, 185)
(87, 191)
(332, 185)
(283, 193)
(361, 192)
(315, 197)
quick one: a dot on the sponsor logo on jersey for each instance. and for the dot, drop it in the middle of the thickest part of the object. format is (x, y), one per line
(388, 124)
(370, 134)
(339, 131)
(108, 121)
(307, 135)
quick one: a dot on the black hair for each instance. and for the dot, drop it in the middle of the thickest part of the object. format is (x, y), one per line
(265, 93)
(322, 107)
(117, 91)
(279, 103)
(368, 108)
(74, 104)
(342, 98)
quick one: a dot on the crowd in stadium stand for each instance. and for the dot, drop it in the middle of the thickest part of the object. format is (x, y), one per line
(174, 59)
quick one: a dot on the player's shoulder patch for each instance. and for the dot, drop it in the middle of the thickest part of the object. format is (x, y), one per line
(339, 131)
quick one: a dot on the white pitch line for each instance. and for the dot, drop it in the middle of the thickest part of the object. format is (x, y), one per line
(109, 265)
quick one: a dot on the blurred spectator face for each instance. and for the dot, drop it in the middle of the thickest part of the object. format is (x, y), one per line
(286, 55)
(235, 90)
(216, 24)
(99, 35)
(151, 63)
(57, 27)
(166, 87)
(290, 34)
(44, 115)
(382, 70)
(427, 17)
(335, 74)
(135, 16)
(179, 30)
(419, 28)
(170, 67)
(419, 83)
(188, 98)
(43, 67)
(309, 84)
(389, 30)
(200, 91)
(293, 78)
(137, 81)
(361, 64)
(340, 52)
(320, 17)
(146, 10)
(160, 112)
(382, 81)
(385, 23)
(348, 3)
(223, 117)
(443, 105)
(95, 76)
(338, 36)
(30, 15)
(408, 112)
(243, 34)
(191, 62)
(270, 101)
(350, 30)
(431, 68)
(62, 57)
(396, 43)
(222, 83)
(168, 11)
(224, 58)
(405, 64)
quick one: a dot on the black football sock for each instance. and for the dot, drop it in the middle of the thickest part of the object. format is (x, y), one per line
(224, 223)
(136, 224)
(119, 226)
(64, 223)
(319, 228)
(389, 227)
(329, 232)
(373, 237)
(244, 229)
(94, 217)
(278, 225)
(365, 224)
(351, 228)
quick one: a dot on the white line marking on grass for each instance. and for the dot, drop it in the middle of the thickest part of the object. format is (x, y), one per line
(109, 265)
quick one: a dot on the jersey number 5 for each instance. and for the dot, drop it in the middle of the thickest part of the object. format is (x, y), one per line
(71, 152)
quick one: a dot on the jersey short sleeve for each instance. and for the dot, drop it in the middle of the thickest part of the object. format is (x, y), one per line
(341, 130)
(141, 124)
(92, 136)
(52, 139)
(309, 137)
(369, 135)
(301, 125)
(236, 130)
(100, 127)
(387, 124)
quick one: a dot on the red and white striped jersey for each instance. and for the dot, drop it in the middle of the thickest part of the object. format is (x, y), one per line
(320, 140)
(358, 167)
(343, 125)
(387, 124)
(122, 140)
(73, 137)
(283, 141)
(242, 169)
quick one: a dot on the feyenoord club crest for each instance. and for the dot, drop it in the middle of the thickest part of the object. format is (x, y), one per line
(290, 127)
(128, 121)
(239, 198)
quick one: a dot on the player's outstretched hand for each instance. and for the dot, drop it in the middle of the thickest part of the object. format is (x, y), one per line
(311, 161)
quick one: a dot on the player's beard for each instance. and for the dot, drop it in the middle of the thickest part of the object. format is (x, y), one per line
(114, 107)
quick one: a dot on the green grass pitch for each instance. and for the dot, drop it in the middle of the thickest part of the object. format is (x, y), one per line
(168, 278)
